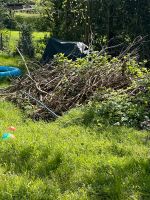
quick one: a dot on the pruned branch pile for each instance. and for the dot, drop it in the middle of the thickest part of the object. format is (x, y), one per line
(60, 87)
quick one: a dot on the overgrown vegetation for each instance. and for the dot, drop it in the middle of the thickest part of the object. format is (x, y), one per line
(99, 148)
(64, 83)
(117, 90)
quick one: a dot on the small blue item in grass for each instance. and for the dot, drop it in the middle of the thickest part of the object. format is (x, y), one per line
(6, 136)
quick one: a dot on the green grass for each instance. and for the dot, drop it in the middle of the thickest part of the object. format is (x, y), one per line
(7, 60)
(66, 160)
(4, 84)
(24, 14)
(13, 38)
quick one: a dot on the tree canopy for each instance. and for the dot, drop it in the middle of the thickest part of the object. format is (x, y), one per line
(97, 20)
(89, 20)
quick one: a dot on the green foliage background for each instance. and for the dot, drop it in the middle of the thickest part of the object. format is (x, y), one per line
(88, 21)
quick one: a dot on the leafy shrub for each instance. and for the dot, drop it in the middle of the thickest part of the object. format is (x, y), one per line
(129, 107)
(40, 45)
(119, 110)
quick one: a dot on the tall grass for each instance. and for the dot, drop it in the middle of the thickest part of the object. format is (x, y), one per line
(67, 160)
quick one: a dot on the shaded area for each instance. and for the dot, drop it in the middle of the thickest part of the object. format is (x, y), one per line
(72, 50)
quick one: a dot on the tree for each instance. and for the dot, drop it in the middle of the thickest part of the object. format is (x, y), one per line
(3, 15)
(25, 44)
(96, 20)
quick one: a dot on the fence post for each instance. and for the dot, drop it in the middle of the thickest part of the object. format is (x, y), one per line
(1, 41)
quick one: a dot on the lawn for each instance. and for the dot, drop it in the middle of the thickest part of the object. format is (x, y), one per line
(67, 160)
(12, 37)
(25, 14)
(9, 60)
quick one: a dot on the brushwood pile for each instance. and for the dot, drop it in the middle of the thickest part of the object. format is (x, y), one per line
(64, 84)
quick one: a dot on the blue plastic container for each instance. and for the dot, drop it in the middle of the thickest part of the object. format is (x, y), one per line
(6, 71)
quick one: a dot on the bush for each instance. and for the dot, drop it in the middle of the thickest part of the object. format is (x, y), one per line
(129, 107)
(40, 46)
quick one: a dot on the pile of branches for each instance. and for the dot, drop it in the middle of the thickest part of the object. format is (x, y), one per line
(63, 84)
(61, 87)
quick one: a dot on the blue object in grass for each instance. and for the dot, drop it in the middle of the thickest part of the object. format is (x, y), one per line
(6, 71)
(6, 136)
